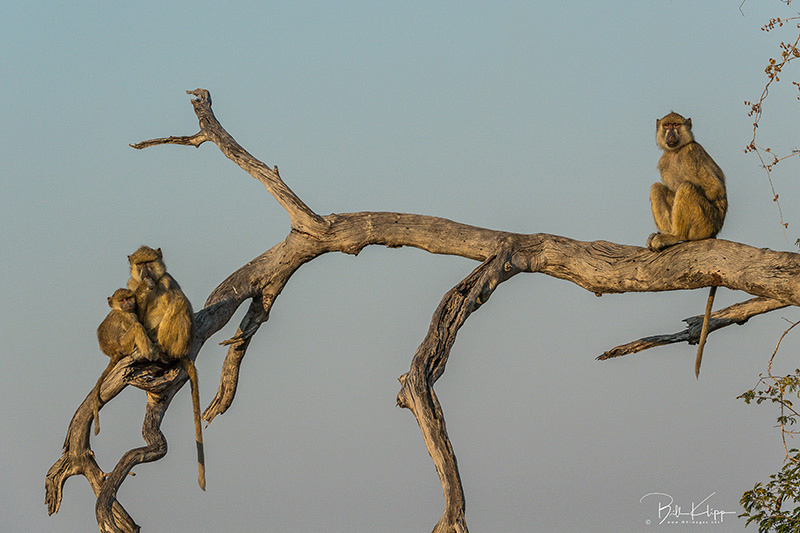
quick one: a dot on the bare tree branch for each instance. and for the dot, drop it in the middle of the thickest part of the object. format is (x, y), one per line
(156, 448)
(599, 266)
(192, 140)
(417, 394)
(161, 383)
(735, 314)
(302, 217)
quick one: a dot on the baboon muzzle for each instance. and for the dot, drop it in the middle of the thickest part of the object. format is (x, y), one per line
(672, 138)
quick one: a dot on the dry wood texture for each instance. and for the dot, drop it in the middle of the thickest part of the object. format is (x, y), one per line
(599, 267)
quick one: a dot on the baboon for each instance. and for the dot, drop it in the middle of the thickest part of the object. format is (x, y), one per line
(167, 315)
(120, 334)
(690, 202)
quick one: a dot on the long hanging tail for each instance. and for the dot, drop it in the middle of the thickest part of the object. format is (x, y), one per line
(96, 394)
(188, 365)
(704, 332)
(96, 406)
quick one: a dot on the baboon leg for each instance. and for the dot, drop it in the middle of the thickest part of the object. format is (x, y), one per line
(691, 211)
(661, 200)
(661, 203)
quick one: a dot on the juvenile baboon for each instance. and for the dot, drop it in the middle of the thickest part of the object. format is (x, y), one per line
(120, 334)
(690, 202)
(167, 316)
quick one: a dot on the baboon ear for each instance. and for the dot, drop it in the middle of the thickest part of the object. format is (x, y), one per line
(129, 258)
(109, 301)
(689, 123)
(158, 250)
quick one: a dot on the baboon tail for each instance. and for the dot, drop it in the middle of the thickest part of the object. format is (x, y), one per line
(198, 428)
(704, 332)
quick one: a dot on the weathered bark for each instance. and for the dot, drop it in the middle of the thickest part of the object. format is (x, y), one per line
(600, 267)
(161, 384)
(428, 365)
(735, 314)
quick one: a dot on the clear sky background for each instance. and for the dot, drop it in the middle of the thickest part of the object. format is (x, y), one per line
(519, 116)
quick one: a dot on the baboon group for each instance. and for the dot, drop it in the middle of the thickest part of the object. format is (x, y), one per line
(151, 320)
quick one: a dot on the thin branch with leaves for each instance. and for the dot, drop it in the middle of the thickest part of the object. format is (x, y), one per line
(789, 52)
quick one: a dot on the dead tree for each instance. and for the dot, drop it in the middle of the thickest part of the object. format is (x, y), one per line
(600, 267)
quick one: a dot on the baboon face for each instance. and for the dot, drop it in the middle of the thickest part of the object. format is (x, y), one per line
(144, 271)
(673, 131)
(122, 300)
(128, 304)
(147, 265)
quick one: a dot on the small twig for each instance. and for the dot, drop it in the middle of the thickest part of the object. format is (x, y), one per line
(777, 346)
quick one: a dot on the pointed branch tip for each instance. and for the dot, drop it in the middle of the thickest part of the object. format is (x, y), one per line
(203, 95)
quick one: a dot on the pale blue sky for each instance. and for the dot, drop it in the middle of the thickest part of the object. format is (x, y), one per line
(519, 116)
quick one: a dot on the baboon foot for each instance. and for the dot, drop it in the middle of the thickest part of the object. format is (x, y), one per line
(658, 241)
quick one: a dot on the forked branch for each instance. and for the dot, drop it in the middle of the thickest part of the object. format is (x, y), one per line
(600, 267)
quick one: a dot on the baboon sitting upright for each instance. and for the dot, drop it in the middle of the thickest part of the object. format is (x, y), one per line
(167, 315)
(690, 202)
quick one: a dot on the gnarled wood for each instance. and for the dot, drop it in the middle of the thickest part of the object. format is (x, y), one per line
(599, 266)
(78, 458)
(417, 394)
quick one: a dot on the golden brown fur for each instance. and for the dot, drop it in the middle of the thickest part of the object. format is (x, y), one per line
(163, 308)
(690, 203)
(167, 315)
(120, 334)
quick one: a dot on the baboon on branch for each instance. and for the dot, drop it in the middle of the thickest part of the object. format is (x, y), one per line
(121, 334)
(167, 315)
(690, 202)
